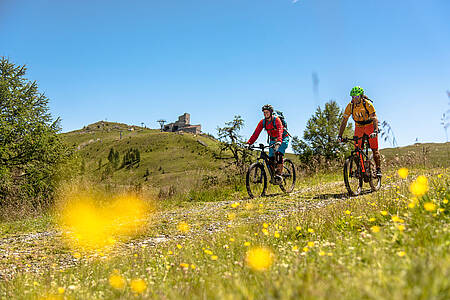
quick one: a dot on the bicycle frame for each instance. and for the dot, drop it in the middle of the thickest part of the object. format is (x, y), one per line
(359, 151)
(263, 156)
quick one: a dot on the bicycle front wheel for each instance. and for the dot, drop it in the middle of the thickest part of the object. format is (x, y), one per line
(256, 180)
(374, 180)
(289, 176)
(352, 176)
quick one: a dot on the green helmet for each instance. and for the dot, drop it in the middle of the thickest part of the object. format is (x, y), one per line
(357, 91)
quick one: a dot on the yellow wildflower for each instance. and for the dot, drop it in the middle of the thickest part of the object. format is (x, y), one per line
(170, 252)
(384, 213)
(214, 257)
(117, 281)
(259, 258)
(235, 204)
(330, 254)
(138, 286)
(401, 228)
(429, 206)
(375, 229)
(445, 201)
(419, 187)
(305, 249)
(295, 248)
(276, 234)
(401, 253)
(310, 244)
(193, 267)
(61, 290)
(298, 228)
(209, 252)
(246, 244)
(403, 173)
(184, 265)
(310, 230)
(265, 225)
(265, 231)
(183, 227)
(322, 253)
(179, 246)
(231, 239)
(372, 220)
(231, 216)
(347, 212)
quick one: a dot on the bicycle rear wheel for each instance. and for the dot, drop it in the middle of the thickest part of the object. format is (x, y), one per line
(352, 176)
(289, 176)
(374, 180)
(256, 180)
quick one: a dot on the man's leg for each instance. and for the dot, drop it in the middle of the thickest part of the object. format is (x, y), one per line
(373, 142)
(279, 156)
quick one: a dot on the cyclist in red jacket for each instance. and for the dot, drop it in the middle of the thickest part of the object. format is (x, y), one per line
(278, 135)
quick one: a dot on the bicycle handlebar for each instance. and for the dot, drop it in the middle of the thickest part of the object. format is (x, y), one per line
(260, 146)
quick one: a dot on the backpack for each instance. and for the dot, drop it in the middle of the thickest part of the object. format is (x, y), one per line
(277, 114)
(364, 99)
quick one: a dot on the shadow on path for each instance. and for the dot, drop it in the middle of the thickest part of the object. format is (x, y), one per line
(339, 195)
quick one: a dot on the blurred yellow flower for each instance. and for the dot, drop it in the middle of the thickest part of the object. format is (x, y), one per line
(295, 248)
(231, 239)
(61, 290)
(310, 230)
(298, 228)
(305, 249)
(183, 227)
(265, 231)
(429, 206)
(117, 281)
(231, 216)
(384, 213)
(372, 220)
(246, 244)
(77, 255)
(445, 201)
(169, 252)
(235, 204)
(265, 225)
(330, 254)
(259, 258)
(179, 246)
(401, 228)
(403, 172)
(310, 244)
(138, 286)
(214, 257)
(209, 252)
(347, 212)
(401, 253)
(193, 267)
(276, 234)
(419, 187)
(184, 265)
(440, 175)
(322, 253)
(375, 229)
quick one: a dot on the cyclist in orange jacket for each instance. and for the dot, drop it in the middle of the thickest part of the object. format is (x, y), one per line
(278, 135)
(366, 122)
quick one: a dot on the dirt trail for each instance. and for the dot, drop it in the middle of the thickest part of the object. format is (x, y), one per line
(37, 252)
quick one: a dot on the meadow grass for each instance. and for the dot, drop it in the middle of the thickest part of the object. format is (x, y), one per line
(390, 244)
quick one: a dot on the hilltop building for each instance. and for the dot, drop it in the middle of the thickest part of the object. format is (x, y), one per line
(183, 124)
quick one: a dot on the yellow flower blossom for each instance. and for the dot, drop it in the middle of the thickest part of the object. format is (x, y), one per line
(375, 229)
(419, 187)
(138, 286)
(445, 201)
(231, 216)
(310, 244)
(117, 281)
(276, 234)
(235, 204)
(403, 172)
(298, 228)
(384, 213)
(401, 253)
(209, 252)
(429, 206)
(295, 248)
(259, 258)
(265, 231)
(246, 244)
(232, 240)
(322, 253)
(61, 290)
(310, 230)
(214, 257)
(265, 225)
(170, 252)
(305, 249)
(193, 267)
(330, 254)
(184, 265)
(183, 227)
(401, 228)
(347, 212)
(179, 246)
(372, 220)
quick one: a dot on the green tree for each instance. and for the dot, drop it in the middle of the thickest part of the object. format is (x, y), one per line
(320, 135)
(31, 152)
(232, 142)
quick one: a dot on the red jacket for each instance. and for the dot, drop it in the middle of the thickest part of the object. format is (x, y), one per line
(273, 132)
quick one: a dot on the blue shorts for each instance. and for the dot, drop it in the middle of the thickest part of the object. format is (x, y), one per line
(282, 148)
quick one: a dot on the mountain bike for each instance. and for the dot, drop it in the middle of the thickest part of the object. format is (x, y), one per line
(359, 167)
(256, 179)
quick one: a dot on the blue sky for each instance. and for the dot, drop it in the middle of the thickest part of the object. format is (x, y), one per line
(139, 61)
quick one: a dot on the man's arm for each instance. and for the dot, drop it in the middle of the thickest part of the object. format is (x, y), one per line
(374, 118)
(255, 134)
(343, 125)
